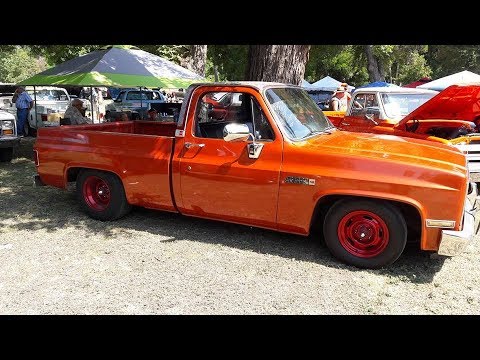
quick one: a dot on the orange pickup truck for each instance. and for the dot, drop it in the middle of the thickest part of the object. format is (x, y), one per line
(270, 158)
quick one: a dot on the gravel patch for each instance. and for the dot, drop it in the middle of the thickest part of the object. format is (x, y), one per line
(54, 259)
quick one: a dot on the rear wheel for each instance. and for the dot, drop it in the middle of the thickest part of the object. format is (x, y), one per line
(102, 195)
(365, 233)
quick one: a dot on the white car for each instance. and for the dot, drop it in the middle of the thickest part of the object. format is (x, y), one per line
(8, 136)
(51, 103)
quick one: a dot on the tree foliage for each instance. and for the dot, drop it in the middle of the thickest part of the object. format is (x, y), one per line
(399, 64)
(229, 60)
(56, 54)
(338, 61)
(448, 59)
(18, 63)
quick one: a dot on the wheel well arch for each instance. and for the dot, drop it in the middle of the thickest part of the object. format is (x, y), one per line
(410, 213)
(72, 172)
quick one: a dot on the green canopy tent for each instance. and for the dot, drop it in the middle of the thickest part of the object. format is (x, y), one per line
(117, 66)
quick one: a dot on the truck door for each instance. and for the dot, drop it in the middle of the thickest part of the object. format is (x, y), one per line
(218, 178)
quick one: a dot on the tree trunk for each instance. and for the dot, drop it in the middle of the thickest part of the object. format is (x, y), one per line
(374, 67)
(198, 59)
(280, 63)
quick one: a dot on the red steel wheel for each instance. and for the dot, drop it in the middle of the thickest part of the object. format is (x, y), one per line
(96, 193)
(367, 233)
(363, 233)
(101, 195)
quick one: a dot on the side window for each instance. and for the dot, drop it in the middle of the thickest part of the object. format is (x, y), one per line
(363, 103)
(358, 106)
(133, 95)
(263, 130)
(216, 109)
(371, 101)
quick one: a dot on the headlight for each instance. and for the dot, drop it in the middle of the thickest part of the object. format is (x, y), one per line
(7, 124)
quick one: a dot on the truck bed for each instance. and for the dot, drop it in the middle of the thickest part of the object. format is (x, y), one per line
(132, 127)
(138, 152)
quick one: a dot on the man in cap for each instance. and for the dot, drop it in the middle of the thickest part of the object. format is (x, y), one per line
(23, 103)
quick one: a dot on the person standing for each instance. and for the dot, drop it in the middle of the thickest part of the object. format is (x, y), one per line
(23, 103)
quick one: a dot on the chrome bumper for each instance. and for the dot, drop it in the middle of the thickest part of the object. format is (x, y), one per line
(454, 242)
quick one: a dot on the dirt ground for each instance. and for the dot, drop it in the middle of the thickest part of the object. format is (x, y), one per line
(54, 259)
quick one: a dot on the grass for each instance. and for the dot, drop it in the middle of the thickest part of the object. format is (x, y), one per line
(54, 259)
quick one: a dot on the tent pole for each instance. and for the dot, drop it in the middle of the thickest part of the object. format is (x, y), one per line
(91, 104)
(141, 104)
(35, 102)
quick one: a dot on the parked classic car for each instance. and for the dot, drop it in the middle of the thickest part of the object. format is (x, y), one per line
(449, 117)
(276, 162)
(51, 103)
(8, 136)
(133, 100)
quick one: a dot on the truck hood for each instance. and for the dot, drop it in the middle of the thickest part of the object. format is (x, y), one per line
(456, 102)
(390, 148)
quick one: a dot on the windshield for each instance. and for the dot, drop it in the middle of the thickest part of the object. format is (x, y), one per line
(44, 94)
(140, 95)
(297, 113)
(398, 106)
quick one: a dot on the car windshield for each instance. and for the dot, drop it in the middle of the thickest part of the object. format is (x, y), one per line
(140, 95)
(297, 113)
(48, 94)
(398, 106)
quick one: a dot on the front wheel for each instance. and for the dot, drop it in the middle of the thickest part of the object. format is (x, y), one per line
(365, 233)
(102, 195)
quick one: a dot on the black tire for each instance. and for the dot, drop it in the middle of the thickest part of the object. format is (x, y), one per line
(365, 233)
(92, 189)
(6, 154)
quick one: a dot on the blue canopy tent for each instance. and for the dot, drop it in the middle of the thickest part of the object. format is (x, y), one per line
(377, 84)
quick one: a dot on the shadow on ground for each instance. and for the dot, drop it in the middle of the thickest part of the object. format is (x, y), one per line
(52, 209)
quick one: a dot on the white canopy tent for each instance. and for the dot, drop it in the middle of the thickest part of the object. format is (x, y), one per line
(462, 77)
(306, 85)
(329, 84)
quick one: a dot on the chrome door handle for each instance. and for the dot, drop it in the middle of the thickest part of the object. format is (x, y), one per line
(189, 145)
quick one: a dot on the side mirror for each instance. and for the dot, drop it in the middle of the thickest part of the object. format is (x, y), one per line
(241, 132)
(236, 132)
